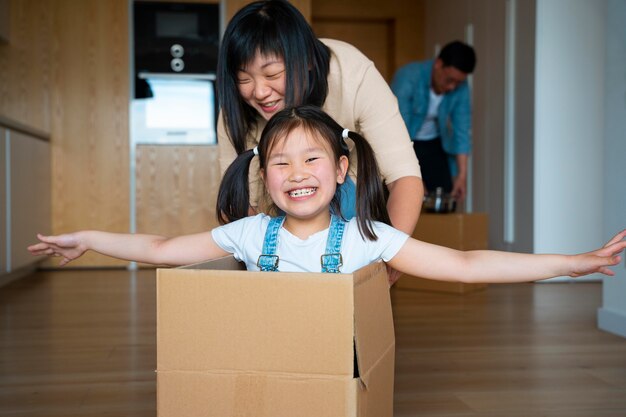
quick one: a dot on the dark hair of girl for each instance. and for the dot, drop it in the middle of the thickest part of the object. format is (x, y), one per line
(271, 27)
(233, 197)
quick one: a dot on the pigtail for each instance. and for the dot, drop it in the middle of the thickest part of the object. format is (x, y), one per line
(233, 198)
(370, 195)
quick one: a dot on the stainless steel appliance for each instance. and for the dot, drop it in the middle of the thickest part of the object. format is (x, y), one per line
(179, 38)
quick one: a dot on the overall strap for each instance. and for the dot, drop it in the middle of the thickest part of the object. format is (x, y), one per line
(268, 260)
(331, 259)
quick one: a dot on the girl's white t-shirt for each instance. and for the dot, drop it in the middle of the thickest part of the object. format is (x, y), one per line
(244, 239)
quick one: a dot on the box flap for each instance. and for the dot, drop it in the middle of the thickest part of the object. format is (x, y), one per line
(224, 263)
(374, 332)
(255, 321)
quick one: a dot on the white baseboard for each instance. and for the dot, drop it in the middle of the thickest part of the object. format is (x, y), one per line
(612, 321)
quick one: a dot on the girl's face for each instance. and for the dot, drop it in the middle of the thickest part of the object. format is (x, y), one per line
(301, 175)
(262, 84)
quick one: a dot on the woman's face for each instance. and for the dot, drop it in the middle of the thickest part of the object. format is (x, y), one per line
(262, 84)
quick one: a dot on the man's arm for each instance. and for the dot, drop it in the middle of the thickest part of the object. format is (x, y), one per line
(459, 187)
(461, 144)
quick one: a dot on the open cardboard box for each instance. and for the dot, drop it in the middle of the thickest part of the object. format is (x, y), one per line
(238, 343)
(462, 231)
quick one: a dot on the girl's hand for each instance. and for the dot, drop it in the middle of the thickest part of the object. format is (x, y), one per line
(599, 260)
(68, 246)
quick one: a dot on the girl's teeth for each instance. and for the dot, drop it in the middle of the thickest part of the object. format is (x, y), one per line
(302, 192)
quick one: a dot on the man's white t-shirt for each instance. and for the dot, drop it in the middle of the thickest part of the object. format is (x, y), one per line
(430, 127)
(244, 239)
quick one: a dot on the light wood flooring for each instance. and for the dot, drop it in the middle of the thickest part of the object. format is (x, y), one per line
(82, 343)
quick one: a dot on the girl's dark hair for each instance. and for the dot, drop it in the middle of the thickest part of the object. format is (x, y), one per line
(271, 27)
(234, 196)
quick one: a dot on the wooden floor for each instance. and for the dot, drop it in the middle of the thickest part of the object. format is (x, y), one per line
(82, 343)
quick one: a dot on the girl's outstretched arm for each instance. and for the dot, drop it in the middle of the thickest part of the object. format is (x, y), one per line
(444, 264)
(150, 249)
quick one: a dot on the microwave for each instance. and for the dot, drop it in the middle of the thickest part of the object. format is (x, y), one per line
(175, 38)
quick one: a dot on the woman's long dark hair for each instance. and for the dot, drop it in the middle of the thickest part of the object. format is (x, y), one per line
(234, 196)
(271, 27)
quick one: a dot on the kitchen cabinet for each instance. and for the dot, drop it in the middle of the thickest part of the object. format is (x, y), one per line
(176, 189)
(25, 198)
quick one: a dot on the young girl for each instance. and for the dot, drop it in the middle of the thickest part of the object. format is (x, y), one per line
(303, 157)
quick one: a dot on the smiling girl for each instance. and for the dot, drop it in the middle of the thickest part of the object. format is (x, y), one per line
(303, 157)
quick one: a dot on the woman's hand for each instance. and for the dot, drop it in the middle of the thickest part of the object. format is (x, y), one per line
(67, 246)
(393, 275)
(599, 260)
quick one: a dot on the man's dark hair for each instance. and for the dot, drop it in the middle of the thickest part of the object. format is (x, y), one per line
(458, 55)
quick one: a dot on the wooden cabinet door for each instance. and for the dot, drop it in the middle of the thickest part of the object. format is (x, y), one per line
(373, 37)
(176, 189)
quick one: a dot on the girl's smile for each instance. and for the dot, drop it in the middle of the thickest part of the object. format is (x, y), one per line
(302, 192)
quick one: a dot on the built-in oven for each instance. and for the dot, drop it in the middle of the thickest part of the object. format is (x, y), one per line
(181, 109)
(175, 48)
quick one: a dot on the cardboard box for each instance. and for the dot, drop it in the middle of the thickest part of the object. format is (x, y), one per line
(463, 231)
(238, 343)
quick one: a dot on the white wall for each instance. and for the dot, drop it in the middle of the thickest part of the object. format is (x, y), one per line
(569, 125)
(612, 314)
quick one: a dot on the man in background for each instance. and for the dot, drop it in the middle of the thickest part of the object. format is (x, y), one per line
(434, 100)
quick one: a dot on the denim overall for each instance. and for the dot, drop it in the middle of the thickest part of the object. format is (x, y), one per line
(331, 260)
